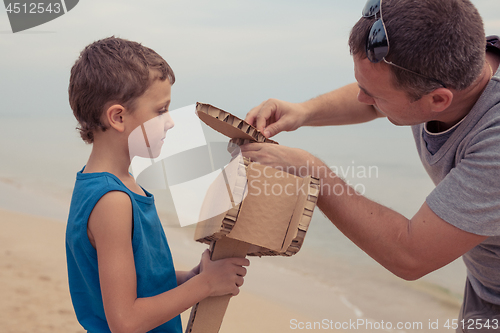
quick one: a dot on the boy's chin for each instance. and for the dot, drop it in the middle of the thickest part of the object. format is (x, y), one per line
(150, 153)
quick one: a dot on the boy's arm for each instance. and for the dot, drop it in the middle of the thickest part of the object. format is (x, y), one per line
(183, 276)
(110, 226)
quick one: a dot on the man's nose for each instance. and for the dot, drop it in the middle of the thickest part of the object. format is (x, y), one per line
(364, 98)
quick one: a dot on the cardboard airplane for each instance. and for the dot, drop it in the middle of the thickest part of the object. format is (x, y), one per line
(270, 218)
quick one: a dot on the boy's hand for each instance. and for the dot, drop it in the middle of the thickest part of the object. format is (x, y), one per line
(223, 276)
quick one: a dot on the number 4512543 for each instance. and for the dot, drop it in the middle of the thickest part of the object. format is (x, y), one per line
(33, 8)
(473, 324)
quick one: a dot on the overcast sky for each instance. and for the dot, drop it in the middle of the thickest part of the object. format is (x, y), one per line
(233, 54)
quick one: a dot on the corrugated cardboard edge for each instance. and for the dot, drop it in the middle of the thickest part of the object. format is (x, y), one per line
(230, 125)
(302, 217)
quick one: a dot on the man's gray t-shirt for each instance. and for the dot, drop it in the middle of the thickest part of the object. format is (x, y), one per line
(466, 171)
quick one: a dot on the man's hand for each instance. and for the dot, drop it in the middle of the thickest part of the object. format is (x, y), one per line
(274, 116)
(292, 160)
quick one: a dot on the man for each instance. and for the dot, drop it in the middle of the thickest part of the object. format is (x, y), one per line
(423, 64)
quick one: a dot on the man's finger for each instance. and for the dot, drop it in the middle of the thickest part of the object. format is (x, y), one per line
(267, 110)
(252, 114)
(273, 129)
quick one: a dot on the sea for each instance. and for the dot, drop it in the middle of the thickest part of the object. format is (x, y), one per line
(41, 155)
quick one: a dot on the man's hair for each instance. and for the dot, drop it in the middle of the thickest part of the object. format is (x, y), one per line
(441, 39)
(111, 70)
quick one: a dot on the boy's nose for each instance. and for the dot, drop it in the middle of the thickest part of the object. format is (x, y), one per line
(169, 122)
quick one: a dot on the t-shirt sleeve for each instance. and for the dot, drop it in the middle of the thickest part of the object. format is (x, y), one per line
(469, 196)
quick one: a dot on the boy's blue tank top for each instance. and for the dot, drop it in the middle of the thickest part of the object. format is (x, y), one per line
(153, 260)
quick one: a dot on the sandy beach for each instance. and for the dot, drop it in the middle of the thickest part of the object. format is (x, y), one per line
(35, 296)
(34, 288)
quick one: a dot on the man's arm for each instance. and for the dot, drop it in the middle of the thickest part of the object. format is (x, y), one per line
(338, 107)
(409, 248)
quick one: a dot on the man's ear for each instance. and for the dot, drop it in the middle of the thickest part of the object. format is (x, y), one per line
(440, 99)
(114, 117)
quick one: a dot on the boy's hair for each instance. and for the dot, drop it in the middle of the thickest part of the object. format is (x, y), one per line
(442, 39)
(111, 70)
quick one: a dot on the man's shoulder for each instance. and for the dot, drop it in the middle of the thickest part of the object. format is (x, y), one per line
(490, 119)
(485, 116)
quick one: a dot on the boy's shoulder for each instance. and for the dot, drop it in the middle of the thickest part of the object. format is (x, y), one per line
(102, 191)
(95, 181)
(112, 216)
(91, 187)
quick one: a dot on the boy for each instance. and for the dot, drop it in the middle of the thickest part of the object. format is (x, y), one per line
(120, 269)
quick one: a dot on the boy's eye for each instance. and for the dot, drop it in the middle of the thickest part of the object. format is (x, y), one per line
(162, 111)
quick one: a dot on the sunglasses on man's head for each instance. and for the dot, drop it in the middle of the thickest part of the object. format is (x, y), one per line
(377, 43)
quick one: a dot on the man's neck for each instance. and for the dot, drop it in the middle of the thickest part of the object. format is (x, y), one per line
(464, 101)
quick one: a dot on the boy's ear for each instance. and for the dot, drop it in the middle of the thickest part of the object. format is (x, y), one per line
(114, 117)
